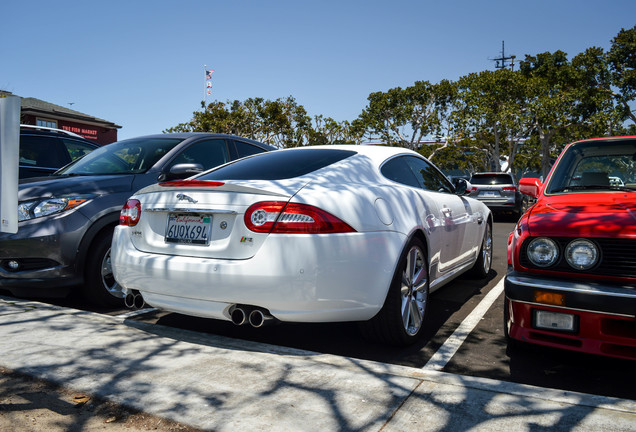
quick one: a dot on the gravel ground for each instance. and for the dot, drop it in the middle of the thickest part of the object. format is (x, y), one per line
(28, 404)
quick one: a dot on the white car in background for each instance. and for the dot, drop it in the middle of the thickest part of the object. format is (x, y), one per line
(312, 234)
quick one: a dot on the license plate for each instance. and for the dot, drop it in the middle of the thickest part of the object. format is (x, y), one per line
(489, 193)
(188, 228)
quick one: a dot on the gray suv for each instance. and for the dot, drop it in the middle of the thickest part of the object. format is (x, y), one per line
(498, 191)
(66, 220)
(45, 150)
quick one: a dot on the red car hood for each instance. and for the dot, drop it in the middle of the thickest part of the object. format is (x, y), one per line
(585, 215)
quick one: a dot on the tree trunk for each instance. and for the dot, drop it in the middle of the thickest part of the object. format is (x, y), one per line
(495, 153)
(546, 162)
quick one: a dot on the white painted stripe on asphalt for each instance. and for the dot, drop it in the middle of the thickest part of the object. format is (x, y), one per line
(136, 313)
(452, 344)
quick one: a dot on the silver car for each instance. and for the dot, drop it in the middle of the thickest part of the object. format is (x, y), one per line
(498, 191)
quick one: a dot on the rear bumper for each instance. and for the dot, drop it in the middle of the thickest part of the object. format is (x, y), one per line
(302, 278)
(604, 315)
(501, 204)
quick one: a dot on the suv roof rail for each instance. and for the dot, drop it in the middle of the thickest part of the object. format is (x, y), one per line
(50, 129)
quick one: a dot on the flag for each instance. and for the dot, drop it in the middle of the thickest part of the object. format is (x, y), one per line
(208, 74)
(208, 84)
(209, 91)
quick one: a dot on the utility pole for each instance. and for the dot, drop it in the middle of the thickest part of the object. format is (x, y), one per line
(502, 62)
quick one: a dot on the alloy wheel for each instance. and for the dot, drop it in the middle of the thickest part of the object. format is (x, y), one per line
(108, 279)
(414, 291)
(486, 249)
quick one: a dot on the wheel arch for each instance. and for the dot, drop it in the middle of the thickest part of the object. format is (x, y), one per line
(421, 235)
(100, 226)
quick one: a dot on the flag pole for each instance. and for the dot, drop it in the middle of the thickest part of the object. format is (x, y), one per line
(205, 90)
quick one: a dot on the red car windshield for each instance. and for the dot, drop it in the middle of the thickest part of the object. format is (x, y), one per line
(595, 165)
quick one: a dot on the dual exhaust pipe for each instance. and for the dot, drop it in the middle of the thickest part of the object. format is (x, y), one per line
(240, 315)
(134, 300)
(256, 317)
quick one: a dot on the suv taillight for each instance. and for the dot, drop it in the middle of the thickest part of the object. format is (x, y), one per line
(509, 188)
(130, 213)
(280, 218)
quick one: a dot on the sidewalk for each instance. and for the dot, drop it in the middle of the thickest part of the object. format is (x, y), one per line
(222, 384)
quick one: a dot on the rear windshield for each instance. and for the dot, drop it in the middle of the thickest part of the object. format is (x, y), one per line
(491, 179)
(278, 165)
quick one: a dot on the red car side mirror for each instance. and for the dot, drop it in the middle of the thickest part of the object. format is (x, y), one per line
(530, 186)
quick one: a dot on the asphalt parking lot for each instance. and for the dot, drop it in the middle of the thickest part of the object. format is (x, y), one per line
(477, 349)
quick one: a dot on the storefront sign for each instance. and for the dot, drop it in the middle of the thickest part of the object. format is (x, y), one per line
(83, 131)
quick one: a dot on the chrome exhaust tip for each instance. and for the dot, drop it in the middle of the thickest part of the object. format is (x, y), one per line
(129, 300)
(134, 300)
(238, 316)
(139, 302)
(258, 318)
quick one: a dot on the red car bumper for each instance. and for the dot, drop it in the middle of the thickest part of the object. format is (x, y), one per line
(609, 329)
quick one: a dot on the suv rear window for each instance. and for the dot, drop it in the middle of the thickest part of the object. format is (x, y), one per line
(491, 179)
(42, 151)
(278, 165)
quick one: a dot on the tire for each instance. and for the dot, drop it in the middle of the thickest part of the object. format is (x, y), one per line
(100, 287)
(481, 268)
(409, 292)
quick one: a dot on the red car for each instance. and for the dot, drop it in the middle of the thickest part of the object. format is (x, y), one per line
(571, 281)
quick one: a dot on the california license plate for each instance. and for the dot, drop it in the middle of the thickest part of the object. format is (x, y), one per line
(188, 228)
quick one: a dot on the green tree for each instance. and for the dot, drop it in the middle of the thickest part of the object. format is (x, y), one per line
(326, 130)
(551, 101)
(487, 110)
(622, 63)
(282, 123)
(403, 117)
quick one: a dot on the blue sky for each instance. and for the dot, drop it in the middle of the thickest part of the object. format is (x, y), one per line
(140, 64)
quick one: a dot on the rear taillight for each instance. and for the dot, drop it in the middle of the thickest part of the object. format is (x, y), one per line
(509, 188)
(281, 218)
(130, 213)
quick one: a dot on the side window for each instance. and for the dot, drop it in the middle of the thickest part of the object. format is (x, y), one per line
(41, 151)
(208, 153)
(244, 149)
(428, 176)
(77, 149)
(397, 170)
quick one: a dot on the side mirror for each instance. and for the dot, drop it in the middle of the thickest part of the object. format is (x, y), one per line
(462, 186)
(181, 171)
(530, 186)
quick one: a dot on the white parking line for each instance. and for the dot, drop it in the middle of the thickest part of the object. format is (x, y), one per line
(452, 344)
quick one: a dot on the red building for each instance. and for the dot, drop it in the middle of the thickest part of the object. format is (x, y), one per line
(41, 113)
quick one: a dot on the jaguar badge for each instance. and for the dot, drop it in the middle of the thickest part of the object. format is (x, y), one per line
(184, 197)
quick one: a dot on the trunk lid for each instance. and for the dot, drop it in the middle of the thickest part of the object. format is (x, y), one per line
(209, 215)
